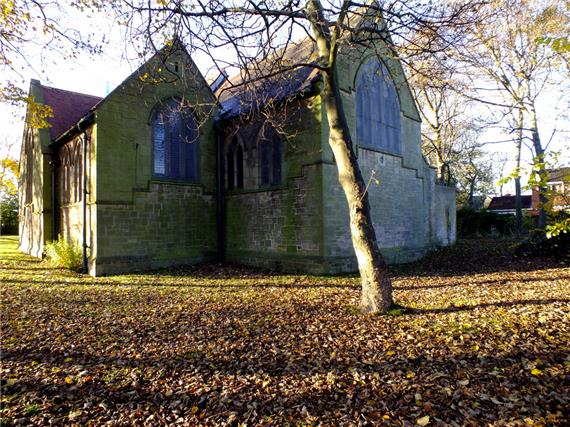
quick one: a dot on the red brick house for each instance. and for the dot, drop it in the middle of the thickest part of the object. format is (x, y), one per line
(558, 190)
(506, 205)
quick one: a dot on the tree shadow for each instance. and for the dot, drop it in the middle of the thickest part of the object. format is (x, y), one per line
(205, 286)
(31, 269)
(20, 259)
(453, 308)
(471, 283)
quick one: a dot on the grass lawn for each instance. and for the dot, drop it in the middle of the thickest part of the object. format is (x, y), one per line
(487, 342)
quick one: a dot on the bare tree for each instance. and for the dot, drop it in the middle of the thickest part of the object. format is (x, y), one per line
(432, 79)
(447, 127)
(472, 168)
(255, 37)
(515, 68)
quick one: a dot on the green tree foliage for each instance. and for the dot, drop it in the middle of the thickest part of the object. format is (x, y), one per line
(9, 214)
(555, 196)
(8, 176)
(8, 196)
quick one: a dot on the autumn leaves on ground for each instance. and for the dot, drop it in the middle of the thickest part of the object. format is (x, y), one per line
(486, 343)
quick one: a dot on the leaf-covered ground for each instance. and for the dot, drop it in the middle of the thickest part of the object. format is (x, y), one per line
(487, 343)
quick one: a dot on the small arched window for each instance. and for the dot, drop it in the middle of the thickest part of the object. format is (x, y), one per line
(270, 148)
(175, 142)
(234, 165)
(78, 172)
(239, 167)
(70, 172)
(377, 108)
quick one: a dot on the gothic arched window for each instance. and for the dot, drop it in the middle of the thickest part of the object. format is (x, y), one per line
(234, 165)
(377, 108)
(71, 172)
(270, 148)
(175, 141)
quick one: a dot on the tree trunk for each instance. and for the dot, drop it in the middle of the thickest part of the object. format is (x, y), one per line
(518, 206)
(518, 199)
(440, 157)
(439, 169)
(471, 192)
(539, 167)
(376, 284)
(376, 295)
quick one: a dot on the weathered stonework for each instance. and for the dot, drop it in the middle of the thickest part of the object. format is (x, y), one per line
(279, 228)
(298, 222)
(304, 226)
(165, 225)
(35, 214)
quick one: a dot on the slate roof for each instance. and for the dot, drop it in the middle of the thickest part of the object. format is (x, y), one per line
(68, 107)
(243, 93)
(501, 203)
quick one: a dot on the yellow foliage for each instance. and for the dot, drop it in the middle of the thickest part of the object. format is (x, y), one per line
(9, 176)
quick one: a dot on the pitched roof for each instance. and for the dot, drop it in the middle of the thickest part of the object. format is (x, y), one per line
(508, 202)
(560, 174)
(67, 107)
(267, 81)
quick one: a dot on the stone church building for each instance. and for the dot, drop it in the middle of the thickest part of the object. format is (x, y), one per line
(168, 171)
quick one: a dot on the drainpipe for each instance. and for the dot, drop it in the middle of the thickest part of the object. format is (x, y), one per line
(220, 192)
(85, 192)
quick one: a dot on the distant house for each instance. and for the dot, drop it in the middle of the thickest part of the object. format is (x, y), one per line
(558, 187)
(506, 204)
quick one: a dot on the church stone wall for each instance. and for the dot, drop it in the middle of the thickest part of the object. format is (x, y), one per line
(279, 229)
(399, 205)
(69, 202)
(411, 214)
(282, 228)
(144, 222)
(168, 224)
(35, 210)
(443, 216)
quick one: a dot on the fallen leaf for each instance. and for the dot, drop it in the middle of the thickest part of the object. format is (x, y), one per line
(423, 421)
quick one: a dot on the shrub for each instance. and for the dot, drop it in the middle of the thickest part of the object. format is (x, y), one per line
(9, 214)
(538, 245)
(558, 223)
(472, 223)
(62, 253)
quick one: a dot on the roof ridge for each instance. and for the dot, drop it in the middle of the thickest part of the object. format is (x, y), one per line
(71, 91)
